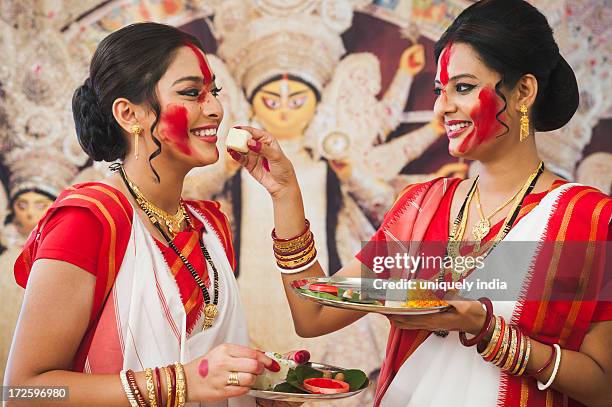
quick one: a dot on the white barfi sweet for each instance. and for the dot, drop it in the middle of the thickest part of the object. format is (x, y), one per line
(237, 140)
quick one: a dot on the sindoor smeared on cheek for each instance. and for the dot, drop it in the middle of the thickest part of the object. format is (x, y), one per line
(484, 119)
(174, 128)
(444, 61)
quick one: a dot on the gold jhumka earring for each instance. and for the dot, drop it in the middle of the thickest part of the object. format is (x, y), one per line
(524, 133)
(136, 132)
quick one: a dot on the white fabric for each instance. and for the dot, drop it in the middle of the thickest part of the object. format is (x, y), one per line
(442, 372)
(148, 336)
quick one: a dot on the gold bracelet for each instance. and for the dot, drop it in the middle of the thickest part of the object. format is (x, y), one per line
(181, 386)
(293, 245)
(527, 354)
(126, 388)
(150, 386)
(298, 262)
(494, 338)
(513, 349)
(168, 385)
(296, 255)
(504, 346)
(519, 361)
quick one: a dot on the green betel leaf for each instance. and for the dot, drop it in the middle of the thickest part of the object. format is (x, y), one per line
(355, 378)
(293, 380)
(326, 296)
(303, 372)
(285, 387)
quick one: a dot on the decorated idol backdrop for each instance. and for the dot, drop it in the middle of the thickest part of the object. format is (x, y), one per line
(345, 86)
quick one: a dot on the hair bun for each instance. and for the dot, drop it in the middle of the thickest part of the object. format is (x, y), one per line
(560, 100)
(96, 135)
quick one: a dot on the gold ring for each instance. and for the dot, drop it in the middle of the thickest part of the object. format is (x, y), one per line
(232, 380)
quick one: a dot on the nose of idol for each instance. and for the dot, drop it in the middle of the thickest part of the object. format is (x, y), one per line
(284, 107)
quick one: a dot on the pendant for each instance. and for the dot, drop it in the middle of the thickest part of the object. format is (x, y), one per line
(210, 313)
(481, 229)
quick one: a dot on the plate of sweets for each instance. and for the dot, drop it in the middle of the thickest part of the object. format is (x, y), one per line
(366, 295)
(300, 380)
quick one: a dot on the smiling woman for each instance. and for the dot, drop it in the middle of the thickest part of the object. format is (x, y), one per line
(130, 292)
(500, 78)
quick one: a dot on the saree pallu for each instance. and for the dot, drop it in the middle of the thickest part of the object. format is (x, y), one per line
(138, 318)
(569, 213)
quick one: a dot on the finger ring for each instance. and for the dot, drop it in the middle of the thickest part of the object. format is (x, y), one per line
(232, 380)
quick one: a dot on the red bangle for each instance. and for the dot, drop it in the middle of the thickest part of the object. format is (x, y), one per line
(173, 384)
(553, 353)
(485, 328)
(129, 374)
(499, 341)
(159, 388)
(276, 239)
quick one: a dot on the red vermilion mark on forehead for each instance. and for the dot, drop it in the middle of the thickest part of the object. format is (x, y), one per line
(204, 68)
(174, 129)
(444, 60)
(484, 119)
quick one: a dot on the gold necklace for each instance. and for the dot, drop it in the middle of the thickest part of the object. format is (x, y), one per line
(456, 235)
(458, 230)
(483, 226)
(173, 222)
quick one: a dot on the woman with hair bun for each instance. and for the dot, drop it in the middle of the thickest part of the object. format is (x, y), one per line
(130, 293)
(500, 78)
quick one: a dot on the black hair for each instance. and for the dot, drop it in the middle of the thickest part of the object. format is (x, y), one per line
(127, 63)
(513, 38)
(279, 77)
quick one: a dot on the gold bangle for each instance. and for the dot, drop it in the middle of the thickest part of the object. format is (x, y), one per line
(293, 245)
(168, 385)
(126, 388)
(150, 386)
(296, 255)
(519, 361)
(513, 349)
(181, 386)
(504, 346)
(526, 360)
(494, 338)
(298, 262)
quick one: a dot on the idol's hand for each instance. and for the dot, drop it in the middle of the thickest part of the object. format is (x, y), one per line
(266, 162)
(464, 315)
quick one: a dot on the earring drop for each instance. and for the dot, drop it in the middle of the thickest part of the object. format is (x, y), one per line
(524, 132)
(136, 132)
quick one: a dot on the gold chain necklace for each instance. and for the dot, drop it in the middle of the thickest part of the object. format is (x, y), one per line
(458, 230)
(483, 226)
(173, 222)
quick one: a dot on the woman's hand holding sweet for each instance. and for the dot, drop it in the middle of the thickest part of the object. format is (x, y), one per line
(267, 163)
(464, 315)
(209, 377)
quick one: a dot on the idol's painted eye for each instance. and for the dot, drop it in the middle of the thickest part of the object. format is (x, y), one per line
(297, 101)
(437, 91)
(271, 103)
